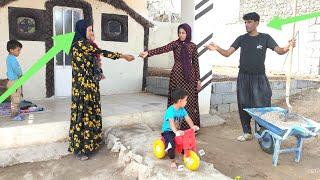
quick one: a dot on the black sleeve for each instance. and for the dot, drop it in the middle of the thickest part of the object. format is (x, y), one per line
(237, 43)
(271, 43)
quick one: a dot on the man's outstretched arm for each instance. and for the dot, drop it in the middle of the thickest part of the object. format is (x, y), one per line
(223, 52)
(284, 50)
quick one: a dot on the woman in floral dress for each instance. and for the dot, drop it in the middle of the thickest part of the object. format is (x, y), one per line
(85, 135)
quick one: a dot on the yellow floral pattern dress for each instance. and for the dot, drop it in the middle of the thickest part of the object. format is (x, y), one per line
(85, 133)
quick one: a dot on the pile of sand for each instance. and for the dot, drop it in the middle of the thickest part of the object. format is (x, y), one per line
(283, 120)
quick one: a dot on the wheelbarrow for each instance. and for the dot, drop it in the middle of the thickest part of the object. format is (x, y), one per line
(271, 134)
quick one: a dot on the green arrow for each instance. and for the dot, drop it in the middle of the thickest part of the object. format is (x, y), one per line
(278, 22)
(61, 43)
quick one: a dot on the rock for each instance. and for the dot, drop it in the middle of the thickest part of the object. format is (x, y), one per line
(125, 157)
(116, 147)
(138, 158)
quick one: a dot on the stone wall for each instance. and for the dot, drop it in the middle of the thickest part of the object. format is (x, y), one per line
(268, 9)
(224, 96)
(157, 85)
(313, 47)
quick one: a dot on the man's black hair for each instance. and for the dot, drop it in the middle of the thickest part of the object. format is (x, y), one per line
(251, 16)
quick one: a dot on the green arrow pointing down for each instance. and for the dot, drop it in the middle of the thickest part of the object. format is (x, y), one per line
(61, 43)
(278, 22)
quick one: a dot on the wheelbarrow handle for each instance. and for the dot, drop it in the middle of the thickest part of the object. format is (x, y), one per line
(306, 131)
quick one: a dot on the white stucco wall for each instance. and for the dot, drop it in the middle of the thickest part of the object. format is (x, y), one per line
(162, 34)
(122, 77)
(227, 28)
(31, 52)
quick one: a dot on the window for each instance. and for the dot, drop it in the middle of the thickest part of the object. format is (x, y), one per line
(65, 19)
(26, 25)
(114, 27)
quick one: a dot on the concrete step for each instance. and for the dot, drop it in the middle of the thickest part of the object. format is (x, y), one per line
(53, 125)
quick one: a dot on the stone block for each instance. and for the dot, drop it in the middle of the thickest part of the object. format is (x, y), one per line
(151, 81)
(216, 99)
(302, 84)
(164, 83)
(294, 84)
(278, 94)
(214, 108)
(224, 108)
(222, 87)
(234, 87)
(229, 98)
(279, 85)
(233, 107)
(313, 84)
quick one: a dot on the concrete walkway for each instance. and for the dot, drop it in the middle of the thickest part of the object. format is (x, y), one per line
(53, 124)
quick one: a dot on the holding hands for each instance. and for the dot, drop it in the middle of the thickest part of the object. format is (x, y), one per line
(130, 58)
(144, 54)
(127, 57)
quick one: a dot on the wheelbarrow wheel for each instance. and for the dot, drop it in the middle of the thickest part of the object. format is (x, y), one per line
(266, 143)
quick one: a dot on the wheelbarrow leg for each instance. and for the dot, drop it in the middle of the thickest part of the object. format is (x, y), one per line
(298, 149)
(277, 144)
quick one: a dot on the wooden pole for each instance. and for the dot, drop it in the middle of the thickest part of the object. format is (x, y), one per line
(289, 65)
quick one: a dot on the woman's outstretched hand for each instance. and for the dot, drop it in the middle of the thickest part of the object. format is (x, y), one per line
(144, 54)
(127, 57)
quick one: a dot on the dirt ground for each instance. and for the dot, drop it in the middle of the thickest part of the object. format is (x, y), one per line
(247, 160)
(229, 156)
(102, 165)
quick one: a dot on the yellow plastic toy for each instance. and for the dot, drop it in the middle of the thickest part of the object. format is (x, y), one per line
(192, 162)
(159, 149)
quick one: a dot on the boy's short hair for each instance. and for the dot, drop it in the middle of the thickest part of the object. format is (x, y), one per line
(12, 44)
(178, 94)
(251, 16)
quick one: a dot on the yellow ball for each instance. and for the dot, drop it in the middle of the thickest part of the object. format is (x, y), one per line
(192, 162)
(159, 149)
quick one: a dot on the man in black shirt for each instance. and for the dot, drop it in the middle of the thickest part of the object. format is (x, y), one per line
(253, 88)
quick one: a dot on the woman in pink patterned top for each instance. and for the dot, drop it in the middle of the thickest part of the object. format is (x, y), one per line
(185, 71)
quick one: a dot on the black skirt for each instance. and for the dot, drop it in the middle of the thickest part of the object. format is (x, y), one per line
(253, 91)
